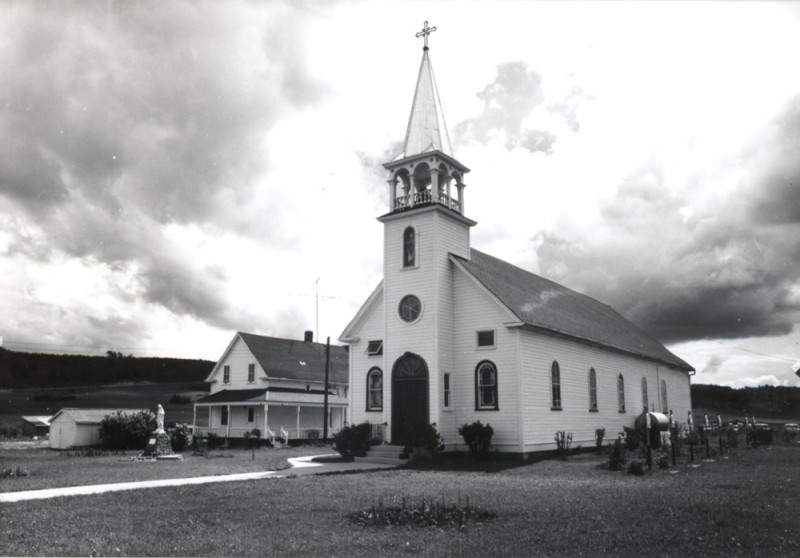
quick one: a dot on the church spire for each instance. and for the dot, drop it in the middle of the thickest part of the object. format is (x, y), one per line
(427, 130)
(426, 171)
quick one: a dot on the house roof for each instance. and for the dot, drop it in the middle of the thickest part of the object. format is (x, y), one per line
(93, 416)
(297, 360)
(233, 396)
(546, 305)
(38, 420)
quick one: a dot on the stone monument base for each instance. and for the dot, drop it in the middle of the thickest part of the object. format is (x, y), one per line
(159, 445)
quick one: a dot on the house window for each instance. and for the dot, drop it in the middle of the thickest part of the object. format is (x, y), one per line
(251, 414)
(486, 338)
(226, 374)
(251, 372)
(592, 390)
(555, 384)
(375, 390)
(446, 390)
(621, 393)
(645, 399)
(409, 247)
(664, 402)
(375, 348)
(224, 419)
(486, 386)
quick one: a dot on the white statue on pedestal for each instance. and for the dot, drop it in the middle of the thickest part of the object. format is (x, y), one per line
(160, 419)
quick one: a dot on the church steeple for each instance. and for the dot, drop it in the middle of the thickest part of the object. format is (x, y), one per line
(426, 168)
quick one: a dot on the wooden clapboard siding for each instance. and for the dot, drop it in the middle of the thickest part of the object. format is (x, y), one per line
(575, 360)
(238, 357)
(477, 310)
(371, 327)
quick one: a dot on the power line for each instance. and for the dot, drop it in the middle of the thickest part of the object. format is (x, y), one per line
(792, 360)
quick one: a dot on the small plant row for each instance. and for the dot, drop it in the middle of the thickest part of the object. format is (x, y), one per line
(428, 513)
(13, 472)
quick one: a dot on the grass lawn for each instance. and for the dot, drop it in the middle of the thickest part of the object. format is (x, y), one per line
(744, 504)
(53, 469)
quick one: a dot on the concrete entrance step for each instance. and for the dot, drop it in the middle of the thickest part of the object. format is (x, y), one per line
(386, 454)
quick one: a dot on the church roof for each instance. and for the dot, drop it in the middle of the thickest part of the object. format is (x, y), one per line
(546, 305)
(297, 360)
(427, 130)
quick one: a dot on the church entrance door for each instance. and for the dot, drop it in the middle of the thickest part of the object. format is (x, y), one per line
(409, 397)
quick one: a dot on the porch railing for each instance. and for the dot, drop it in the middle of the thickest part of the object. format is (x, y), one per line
(289, 433)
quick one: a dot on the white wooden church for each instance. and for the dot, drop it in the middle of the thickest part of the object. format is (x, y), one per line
(452, 335)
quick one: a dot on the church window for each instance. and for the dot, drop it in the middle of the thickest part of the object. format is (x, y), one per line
(446, 390)
(555, 384)
(226, 374)
(375, 390)
(592, 390)
(375, 348)
(486, 386)
(410, 308)
(251, 372)
(621, 393)
(409, 247)
(645, 399)
(486, 338)
(664, 405)
(251, 414)
(224, 418)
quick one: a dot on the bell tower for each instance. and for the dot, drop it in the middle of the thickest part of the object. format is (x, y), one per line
(425, 225)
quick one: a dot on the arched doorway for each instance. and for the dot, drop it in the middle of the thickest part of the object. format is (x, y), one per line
(409, 397)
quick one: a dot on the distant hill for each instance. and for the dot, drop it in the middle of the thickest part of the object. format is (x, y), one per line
(26, 370)
(763, 402)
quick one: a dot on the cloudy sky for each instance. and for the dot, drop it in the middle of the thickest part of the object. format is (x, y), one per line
(171, 172)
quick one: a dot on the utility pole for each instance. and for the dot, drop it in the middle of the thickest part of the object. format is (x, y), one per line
(325, 400)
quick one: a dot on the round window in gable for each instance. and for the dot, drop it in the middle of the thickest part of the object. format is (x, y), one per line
(410, 308)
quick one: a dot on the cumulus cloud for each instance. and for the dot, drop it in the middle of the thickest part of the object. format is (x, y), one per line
(508, 105)
(726, 267)
(119, 121)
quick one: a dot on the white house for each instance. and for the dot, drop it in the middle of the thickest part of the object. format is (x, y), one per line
(452, 335)
(274, 386)
(76, 428)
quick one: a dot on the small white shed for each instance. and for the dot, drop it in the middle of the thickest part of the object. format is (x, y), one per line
(71, 428)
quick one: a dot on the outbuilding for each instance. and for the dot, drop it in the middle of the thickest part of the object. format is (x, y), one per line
(75, 428)
(35, 425)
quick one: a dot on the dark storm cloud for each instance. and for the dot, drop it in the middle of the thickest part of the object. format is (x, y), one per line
(117, 118)
(729, 270)
(514, 94)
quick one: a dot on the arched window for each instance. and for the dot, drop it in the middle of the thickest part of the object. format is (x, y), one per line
(645, 399)
(555, 386)
(621, 393)
(592, 390)
(664, 402)
(486, 386)
(375, 390)
(409, 247)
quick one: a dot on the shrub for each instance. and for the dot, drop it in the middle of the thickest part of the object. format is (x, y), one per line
(253, 439)
(353, 440)
(663, 461)
(8, 431)
(636, 468)
(478, 438)
(760, 436)
(617, 458)
(563, 442)
(634, 438)
(312, 434)
(179, 399)
(789, 436)
(180, 437)
(599, 434)
(425, 437)
(122, 431)
(214, 441)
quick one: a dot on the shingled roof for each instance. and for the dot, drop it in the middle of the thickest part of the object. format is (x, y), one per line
(545, 305)
(297, 360)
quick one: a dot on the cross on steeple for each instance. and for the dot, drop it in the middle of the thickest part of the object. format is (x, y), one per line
(425, 32)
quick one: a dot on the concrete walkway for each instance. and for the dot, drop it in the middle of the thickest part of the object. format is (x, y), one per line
(299, 466)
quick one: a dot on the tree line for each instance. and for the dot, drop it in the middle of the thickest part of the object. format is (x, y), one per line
(20, 370)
